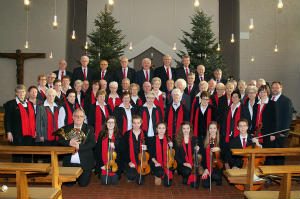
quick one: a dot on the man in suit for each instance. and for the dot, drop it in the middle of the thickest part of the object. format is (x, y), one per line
(182, 72)
(145, 74)
(83, 156)
(83, 72)
(62, 65)
(211, 87)
(124, 72)
(165, 72)
(146, 88)
(104, 74)
(200, 76)
(284, 111)
(50, 79)
(191, 89)
(218, 76)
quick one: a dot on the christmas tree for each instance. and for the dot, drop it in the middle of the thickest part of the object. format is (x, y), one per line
(201, 46)
(106, 41)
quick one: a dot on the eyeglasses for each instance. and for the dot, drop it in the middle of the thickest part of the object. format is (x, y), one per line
(79, 116)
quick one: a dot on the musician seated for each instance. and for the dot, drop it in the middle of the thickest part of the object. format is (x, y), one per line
(186, 146)
(210, 160)
(83, 139)
(160, 160)
(242, 141)
(107, 153)
(134, 144)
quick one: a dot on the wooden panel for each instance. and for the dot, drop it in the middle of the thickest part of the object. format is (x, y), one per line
(267, 152)
(268, 194)
(34, 193)
(25, 167)
(42, 150)
(280, 169)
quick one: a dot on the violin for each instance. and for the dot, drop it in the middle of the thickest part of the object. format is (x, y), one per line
(171, 162)
(111, 165)
(215, 156)
(197, 158)
(143, 168)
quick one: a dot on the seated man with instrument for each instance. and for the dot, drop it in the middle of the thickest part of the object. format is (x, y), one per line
(242, 141)
(80, 136)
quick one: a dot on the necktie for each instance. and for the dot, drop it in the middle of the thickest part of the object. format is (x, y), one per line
(168, 72)
(273, 98)
(186, 72)
(218, 81)
(50, 86)
(244, 143)
(201, 79)
(147, 76)
(169, 93)
(124, 74)
(189, 89)
(62, 74)
(102, 76)
(84, 74)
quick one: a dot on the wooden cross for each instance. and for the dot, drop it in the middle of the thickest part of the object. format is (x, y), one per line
(20, 58)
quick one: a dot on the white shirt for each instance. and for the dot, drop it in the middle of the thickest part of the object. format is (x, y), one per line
(233, 111)
(60, 73)
(51, 107)
(102, 107)
(79, 99)
(75, 159)
(113, 99)
(202, 78)
(276, 97)
(40, 89)
(86, 70)
(19, 102)
(170, 71)
(146, 74)
(261, 106)
(186, 68)
(176, 106)
(126, 71)
(251, 109)
(203, 109)
(129, 116)
(241, 138)
(150, 132)
(134, 98)
(103, 74)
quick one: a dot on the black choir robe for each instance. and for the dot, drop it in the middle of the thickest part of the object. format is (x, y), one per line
(252, 120)
(155, 111)
(92, 115)
(120, 114)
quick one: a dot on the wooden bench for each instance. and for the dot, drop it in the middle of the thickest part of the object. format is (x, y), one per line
(21, 191)
(56, 176)
(251, 154)
(2, 131)
(285, 184)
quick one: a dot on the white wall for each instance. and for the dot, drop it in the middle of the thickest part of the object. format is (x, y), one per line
(42, 39)
(282, 66)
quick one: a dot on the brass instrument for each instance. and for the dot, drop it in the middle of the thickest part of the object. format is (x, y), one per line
(73, 133)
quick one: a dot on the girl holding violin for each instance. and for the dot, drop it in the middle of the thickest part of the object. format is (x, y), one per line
(186, 146)
(212, 164)
(162, 163)
(108, 153)
(135, 155)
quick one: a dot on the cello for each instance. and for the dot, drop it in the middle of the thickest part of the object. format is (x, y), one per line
(143, 168)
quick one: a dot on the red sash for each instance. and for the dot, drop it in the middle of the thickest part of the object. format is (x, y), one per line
(93, 99)
(70, 113)
(131, 148)
(192, 109)
(110, 102)
(145, 119)
(43, 94)
(170, 120)
(124, 125)
(188, 158)
(50, 129)
(259, 120)
(104, 154)
(208, 119)
(160, 103)
(237, 117)
(27, 120)
(98, 120)
(162, 158)
(217, 99)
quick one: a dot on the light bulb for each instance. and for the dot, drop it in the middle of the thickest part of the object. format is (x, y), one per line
(280, 4)
(26, 2)
(276, 48)
(99, 54)
(51, 55)
(196, 3)
(73, 35)
(4, 188)
(26, 44)
(219, 47)
(111, 2)
(232, 38)
(251, 25)
(130, 46)
(86, 45)
(252, 59)
(174, 47)
(55, 21)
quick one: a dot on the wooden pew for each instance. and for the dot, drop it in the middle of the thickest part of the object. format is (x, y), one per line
(251, 154)
(57, 175)
(21, 191)
(285, 184)
(2, 131)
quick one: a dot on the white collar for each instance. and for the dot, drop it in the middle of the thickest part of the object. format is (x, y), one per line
(266, 102)
(145, 105)
(47, 104)
(243, 137)
(238, 105)
(117, 96)
(18, 101)
(97, 104)
(122, 106)
(77, 127)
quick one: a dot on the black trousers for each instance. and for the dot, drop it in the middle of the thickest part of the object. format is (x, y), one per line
(159, 172)
(277, 143)
(23, 141)
(85, 177)
(133, 175)
(107, 179)
(185, 172)
(216, 176)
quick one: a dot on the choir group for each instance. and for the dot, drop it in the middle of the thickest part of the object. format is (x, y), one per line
(153, 121)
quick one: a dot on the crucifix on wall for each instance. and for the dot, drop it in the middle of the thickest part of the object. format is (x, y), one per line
(20, 58)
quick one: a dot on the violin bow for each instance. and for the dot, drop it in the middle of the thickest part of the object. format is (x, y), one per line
(168, 164)
(210, 162)
(141, 166)
(276, 132)
(107, 161)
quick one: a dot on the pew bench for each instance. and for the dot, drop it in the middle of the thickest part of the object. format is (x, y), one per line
(285, 185)
(56, 176)
(22, 191)
(250, 170)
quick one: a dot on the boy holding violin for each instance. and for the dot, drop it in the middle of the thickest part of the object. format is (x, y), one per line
(242, 141)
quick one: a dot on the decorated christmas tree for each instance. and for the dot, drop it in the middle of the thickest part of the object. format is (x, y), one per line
(106, 41)
(201, 44)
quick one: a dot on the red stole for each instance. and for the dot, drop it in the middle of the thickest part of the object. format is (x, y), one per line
(93, 99)
(188, 158)
(98, 120)
(259, 120)
(43, 94)
(140, 102)
(237, 117)
(50, 130)
(208, 119)
(245, 99)
(217, 99)
(82, 102)
(193, 107)
(207, 150)
(110, 102)
(70, 113)
(124, 125)
(160, 103)
(145, 119)
(162, 158)
(170, 120)
(131, 148)
(104, 154)
(27, 120)
(64, 96)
